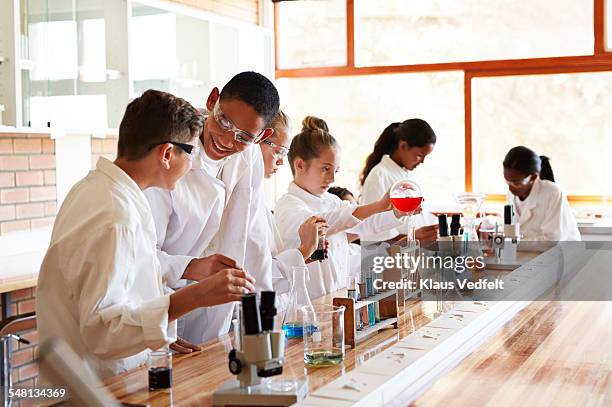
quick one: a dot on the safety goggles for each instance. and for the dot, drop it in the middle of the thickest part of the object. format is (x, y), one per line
(278, 152)
(241, 136)
(191, 150)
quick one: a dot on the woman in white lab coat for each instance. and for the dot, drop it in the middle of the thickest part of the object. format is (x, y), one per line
(274, 150)
(314, 160)
(543, 211)
(398, 151)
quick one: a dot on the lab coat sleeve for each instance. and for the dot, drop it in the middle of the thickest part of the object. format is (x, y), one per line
(112, 324)
(172, 266)
(377, 223)
(290, 213)
(559, 222)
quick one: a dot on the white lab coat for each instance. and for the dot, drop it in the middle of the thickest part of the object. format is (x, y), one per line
(100, 287)
(546, 214)
(214, 213)
(283, 260)
(329, 275)
(378, 182)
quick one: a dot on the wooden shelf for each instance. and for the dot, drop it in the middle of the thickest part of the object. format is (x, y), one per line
(374, 298)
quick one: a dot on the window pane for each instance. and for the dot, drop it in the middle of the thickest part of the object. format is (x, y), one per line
(398, 32)
(567, 117)
(311, 33)
(358, 108)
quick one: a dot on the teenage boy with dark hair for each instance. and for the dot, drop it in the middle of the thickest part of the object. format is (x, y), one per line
(100, 287)
(219, 206)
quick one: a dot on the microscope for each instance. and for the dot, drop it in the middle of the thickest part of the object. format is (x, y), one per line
(259, 355)
(506, 243)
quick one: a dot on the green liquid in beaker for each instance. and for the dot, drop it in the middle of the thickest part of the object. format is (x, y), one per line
(323, 357)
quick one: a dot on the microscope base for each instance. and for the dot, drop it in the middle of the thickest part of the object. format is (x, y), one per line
(231, 394)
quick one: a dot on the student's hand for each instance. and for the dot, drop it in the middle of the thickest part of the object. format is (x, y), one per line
(309, 232)
(204, 267)
(427, 233)
(398, 214)
(183, 346)
(385, 202)
(225, 286)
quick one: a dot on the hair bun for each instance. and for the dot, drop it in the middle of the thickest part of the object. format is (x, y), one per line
(314, 123)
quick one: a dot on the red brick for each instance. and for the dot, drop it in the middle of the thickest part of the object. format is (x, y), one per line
(38, 194)
(49, 177)
(109, 146)
(6, 146)
(26, 306)
(7, 212)
(7, 179)
(22, 294)
(31, 336)
(42, 162)
(21, 357)
(50, 208)
(14, 226)
(30, 178)
(48, 146)
(28, 371)
(14, 163)
(25, 145)
(96, 146)
(28, 211)
(14, 195)
(40, 223)
(15, 374)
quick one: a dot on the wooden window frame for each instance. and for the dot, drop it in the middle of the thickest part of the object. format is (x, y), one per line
(599, 61)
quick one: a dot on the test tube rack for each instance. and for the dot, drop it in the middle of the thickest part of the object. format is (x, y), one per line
(366, 317)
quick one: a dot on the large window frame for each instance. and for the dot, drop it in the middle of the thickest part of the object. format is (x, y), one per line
(599, 61)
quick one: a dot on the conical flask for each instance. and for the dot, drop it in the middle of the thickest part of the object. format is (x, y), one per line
(298, 298)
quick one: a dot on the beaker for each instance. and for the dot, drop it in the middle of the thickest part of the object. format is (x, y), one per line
(323, 334)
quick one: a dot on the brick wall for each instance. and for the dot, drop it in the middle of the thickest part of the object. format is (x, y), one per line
(27, 182)
(106, 147)
(25, 368)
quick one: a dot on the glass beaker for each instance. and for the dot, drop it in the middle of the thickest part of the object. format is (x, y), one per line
(406, 196)
(323, 335)
(159, 365)
(298, 298)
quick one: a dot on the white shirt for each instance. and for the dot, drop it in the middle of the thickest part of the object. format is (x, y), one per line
(378, 182)
(220, 212)
(545, 215)
(100, 287)
(329, 275)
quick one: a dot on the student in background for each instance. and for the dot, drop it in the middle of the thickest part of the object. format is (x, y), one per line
(100, 286)
(542, 208)
(354, 247)
(314, 157)
(274, 151)
(343, 194)
(398, 151)
(216, 214)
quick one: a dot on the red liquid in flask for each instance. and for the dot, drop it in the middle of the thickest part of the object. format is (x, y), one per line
(407, 204)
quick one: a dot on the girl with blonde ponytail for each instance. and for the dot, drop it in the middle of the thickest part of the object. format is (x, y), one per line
(314, 157)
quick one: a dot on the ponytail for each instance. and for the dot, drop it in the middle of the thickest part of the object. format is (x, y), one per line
(546, 172)
(527, 162)
(415, 132)
(384, 145)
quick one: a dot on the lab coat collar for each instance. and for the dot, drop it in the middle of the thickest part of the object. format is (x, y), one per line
(306, 196)
(115, 173)
(391, 166)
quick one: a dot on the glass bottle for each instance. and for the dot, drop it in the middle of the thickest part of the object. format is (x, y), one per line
(298, 298)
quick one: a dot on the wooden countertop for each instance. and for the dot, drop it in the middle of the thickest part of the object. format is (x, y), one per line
(197, 376)
(552, 353)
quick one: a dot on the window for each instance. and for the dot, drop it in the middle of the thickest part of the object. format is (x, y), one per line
(311, 33)
(358, 108)
(567, 117)
(399, 32)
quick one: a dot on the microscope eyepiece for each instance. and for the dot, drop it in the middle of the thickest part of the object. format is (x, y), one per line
(250, 315)
(267, 309)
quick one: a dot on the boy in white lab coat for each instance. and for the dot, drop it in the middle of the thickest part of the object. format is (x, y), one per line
(219, 205)
(100, 287)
